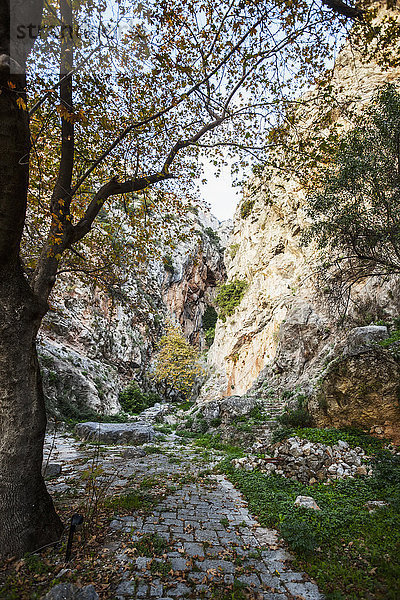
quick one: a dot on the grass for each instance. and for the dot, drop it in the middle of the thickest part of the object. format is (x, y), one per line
(151, 544)
(213, 442)
(161, 569)
(133, 500)
(351, 553)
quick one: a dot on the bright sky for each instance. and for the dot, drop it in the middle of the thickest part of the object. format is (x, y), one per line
(218, 191)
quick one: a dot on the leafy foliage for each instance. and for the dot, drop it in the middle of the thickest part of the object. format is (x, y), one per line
(210, 317)
(296, 417)
(168, 263)
(213, 236)
(230, 296)
(246, 208)
(177, 365)
(355, 212)
(133, 401)
(233, 250)
(210, 335)
(350, 552)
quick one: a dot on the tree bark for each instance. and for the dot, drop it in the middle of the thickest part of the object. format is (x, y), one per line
(27, 515)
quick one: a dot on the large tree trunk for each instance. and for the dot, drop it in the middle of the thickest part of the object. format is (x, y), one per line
(27, 515)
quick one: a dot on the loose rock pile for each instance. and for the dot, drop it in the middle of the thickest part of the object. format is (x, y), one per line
(309, 462)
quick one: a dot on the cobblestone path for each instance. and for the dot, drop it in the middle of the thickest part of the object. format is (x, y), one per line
(207, 545)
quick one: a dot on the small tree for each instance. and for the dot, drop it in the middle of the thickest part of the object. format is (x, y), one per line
(177, 363)
(356, 212)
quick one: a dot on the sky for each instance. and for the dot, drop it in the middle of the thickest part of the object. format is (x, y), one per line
(219, 192)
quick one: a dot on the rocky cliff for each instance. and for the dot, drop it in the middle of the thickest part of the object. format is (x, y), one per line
(92, 343)
(282, 336)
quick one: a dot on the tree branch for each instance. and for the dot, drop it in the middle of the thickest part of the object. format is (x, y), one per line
(344, 9)
(111, 188)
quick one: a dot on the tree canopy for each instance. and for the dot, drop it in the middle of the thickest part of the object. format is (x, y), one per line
(355, 212)
(177, 364)
(143, 91)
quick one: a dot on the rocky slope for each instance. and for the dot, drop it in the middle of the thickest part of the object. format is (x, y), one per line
(282, 335)
(92, 344)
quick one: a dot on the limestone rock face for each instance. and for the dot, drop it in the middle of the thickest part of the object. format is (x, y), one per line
(283, 334)
(362, 338)
(196, 274)
(361, 390)
(91, 343)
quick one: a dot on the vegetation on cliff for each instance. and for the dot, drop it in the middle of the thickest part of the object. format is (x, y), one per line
(229, 297)
(355, 213)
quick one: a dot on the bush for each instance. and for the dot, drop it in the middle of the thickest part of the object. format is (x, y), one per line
(297, 417)
(233, 250)
(213, 236)
(230, 296)
(210, 335)
(133, 401)
(247, 207)
(210, 318)
(168, 264)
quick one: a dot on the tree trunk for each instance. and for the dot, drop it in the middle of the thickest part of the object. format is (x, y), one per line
(27, 515)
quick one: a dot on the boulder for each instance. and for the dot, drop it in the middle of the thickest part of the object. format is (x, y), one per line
(134, 434)
(306, 502)
(373, 505)
(360, 339)
(362, 391)
(68, 591)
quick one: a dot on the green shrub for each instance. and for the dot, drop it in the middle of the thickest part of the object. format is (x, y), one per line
(210, 317)
(133, 401)
(209, 321)
(230, 296)
(392, 343)
(233, 250)
(213, 236)
(297, 417)
(168, 264)
(210, 335)
(247, 207)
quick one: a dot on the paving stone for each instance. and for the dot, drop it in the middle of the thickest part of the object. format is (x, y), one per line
(205, 535)
(179, 564)
(251, 580)
(180, 591)
(126, 589)
(156, 588)
(193, 549)
(142, 561)
(307, 589)
(142, 590)
(219, 565)
(270, 580)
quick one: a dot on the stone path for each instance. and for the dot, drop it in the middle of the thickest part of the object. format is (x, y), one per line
(209, 546)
